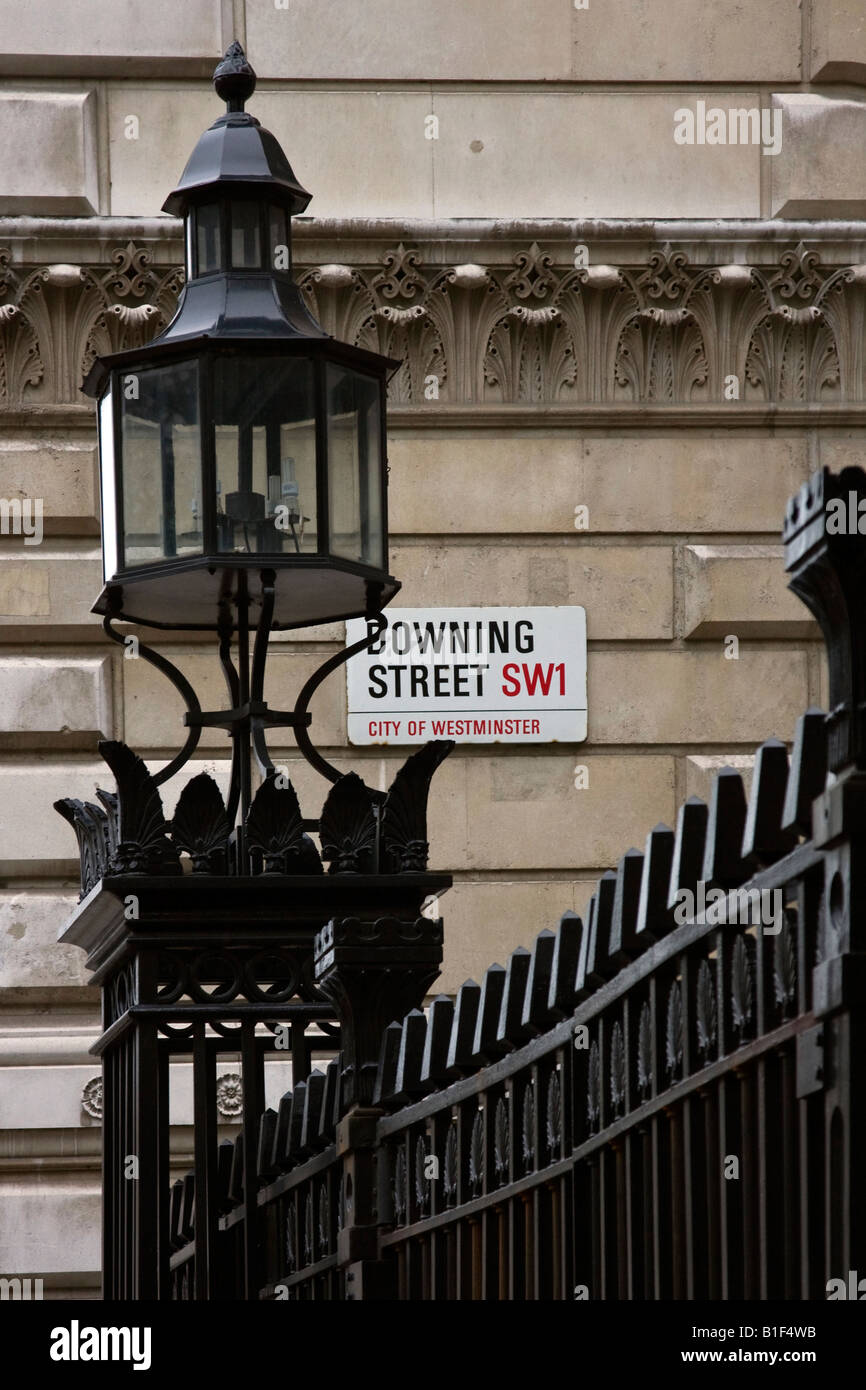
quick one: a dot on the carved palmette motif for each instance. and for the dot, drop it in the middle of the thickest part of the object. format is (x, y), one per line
(705, 1010)
(200, 825)
(348, 826)
(617, 1068)
(404, 818)
(742, 987)
(275, 830)
(785, 966)
(593, 1087)
(400, 1186)
(450, 1166)
(527, 1134)
(142, 845)
(476, 1155)
(422, 1181)
(674, 1031)
(360, 831)
(644, 1051)
(501, 1141)
(553, 1116)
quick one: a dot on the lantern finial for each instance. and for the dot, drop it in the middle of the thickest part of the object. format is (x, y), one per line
(234, 79)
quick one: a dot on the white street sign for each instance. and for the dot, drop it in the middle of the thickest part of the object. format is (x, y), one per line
(477, 675)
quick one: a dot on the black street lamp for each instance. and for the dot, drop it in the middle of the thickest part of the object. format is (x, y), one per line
(243, 468)
(243, 451)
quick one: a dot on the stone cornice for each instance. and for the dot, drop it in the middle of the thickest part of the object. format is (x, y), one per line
(710, 241)
(756, 417)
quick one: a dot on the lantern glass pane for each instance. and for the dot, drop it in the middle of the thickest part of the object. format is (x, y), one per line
(110, 556)
(209, 238)
(161, 463)
(355, 466)
(265, 448)
(246, 248)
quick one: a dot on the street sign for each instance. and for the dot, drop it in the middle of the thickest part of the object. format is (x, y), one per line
(476, 675)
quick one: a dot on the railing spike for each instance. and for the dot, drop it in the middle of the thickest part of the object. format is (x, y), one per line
(688, 857)
(440, 1020)
(654, 918)
(536, 1008)
(236, 1181)
(296, 1121)
(724, 864)
(329, 1101)
(624, 942)
(412, 1042)
(265, 1166)
(389, 1056)
(510, 1032)
(563, 967)
(764, 836)
(462, 1044)
(598, 966)
(280, 1149)
(807, 773)
(485, 1046)
(312, 1111)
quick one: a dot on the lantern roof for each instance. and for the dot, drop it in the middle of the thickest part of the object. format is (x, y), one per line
(236, 151)
(236, 158)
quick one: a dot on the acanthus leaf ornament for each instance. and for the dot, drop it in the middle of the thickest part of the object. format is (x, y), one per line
(593, 1088)
(742, 987)
(644, 1051)
(706, 1012)
(802, 345)
(674, 1039)
(617, 1068)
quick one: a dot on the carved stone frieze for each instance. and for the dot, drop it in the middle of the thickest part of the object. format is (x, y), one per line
(535, 328)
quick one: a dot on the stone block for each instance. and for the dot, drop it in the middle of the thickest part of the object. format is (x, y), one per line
(54, 701)
(694, 482)
(50, 1223)
(820, 170)
(741, 589)
(460, 39)
(526, 813)
(679, 41)
(497, 150)
(627, 592)
(61, 471)
(47, 592)
(360, 153)
(30, 957)
(446, 482)
(53, 135)
(838, 48)
(701, 770)
(93, 30)
(696, 696)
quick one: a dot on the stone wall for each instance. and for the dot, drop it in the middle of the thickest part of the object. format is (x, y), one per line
(590, 315)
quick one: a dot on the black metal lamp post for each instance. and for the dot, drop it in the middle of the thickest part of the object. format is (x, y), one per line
(242, 452)
(244, 472)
